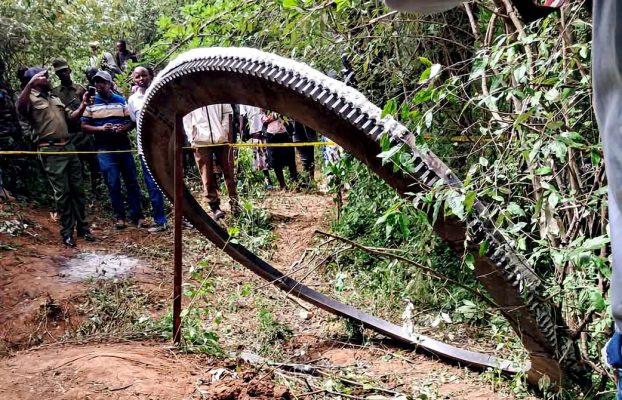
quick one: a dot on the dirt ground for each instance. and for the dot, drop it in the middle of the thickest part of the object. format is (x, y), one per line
(37, 300)
(46, 354)
(125, 371)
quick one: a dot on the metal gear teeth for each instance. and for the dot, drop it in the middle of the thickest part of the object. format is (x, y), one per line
(336, 103)
(265, 69)
(286, 78)
(294, 83)
(376, 132)
(433, 180)
(346, 108)
(420, 169)
(255, 70)
(307, 88)
(479, 236)
(230, 63)
(287, 75)
(322, 94)
(327, 100)
(359, 119)
(237, 66)
(245, 66)
(496, 256)
(352, 114)
(315, 91)
(199, 65)
(274, 75)
(367, 126)
(426, 176)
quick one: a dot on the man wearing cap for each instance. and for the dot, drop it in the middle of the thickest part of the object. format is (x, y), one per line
(108, 119)
(49, 117)
(71, 94)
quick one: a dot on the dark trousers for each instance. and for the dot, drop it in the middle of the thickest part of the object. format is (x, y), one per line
(223, 155)
(306, 153)
(155, 196)
(64, 172)
(281, 157)
(84, 142)
(115, 166)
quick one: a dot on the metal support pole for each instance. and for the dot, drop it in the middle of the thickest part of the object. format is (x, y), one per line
(178, 201)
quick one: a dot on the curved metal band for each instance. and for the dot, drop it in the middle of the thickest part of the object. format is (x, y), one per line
(248, 76)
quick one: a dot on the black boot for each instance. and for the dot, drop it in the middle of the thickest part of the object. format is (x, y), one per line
(216, 211)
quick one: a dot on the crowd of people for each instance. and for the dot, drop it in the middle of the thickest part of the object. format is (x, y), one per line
(63, 121)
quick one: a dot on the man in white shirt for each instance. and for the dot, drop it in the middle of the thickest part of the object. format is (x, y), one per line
(209, 131)
(142, 79)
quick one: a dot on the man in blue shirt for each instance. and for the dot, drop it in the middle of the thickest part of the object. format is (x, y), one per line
(107, 118)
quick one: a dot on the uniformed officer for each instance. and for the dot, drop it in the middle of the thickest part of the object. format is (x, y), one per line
(71, 93)
(49, 116)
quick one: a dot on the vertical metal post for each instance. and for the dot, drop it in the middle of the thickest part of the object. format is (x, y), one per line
(178, 201)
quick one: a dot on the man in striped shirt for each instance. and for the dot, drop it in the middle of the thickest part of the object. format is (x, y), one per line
(107, 118)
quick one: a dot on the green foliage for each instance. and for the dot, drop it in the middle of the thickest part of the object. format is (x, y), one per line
(252, 228)
(33, 32)
(376, 216)
(197, 337)
(532, 155)
(273, 332)
(196, 317)
(113, 308)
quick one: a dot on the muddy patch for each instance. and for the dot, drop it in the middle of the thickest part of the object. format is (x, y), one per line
(97, 265)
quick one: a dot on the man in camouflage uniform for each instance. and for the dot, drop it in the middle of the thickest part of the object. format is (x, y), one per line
(9, 130)
(49, 117)
(71, 94)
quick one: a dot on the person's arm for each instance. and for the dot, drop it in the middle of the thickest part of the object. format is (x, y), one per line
(88, 128)
(125, 127)
(23, 101)
(75, 115)
(189, 127)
